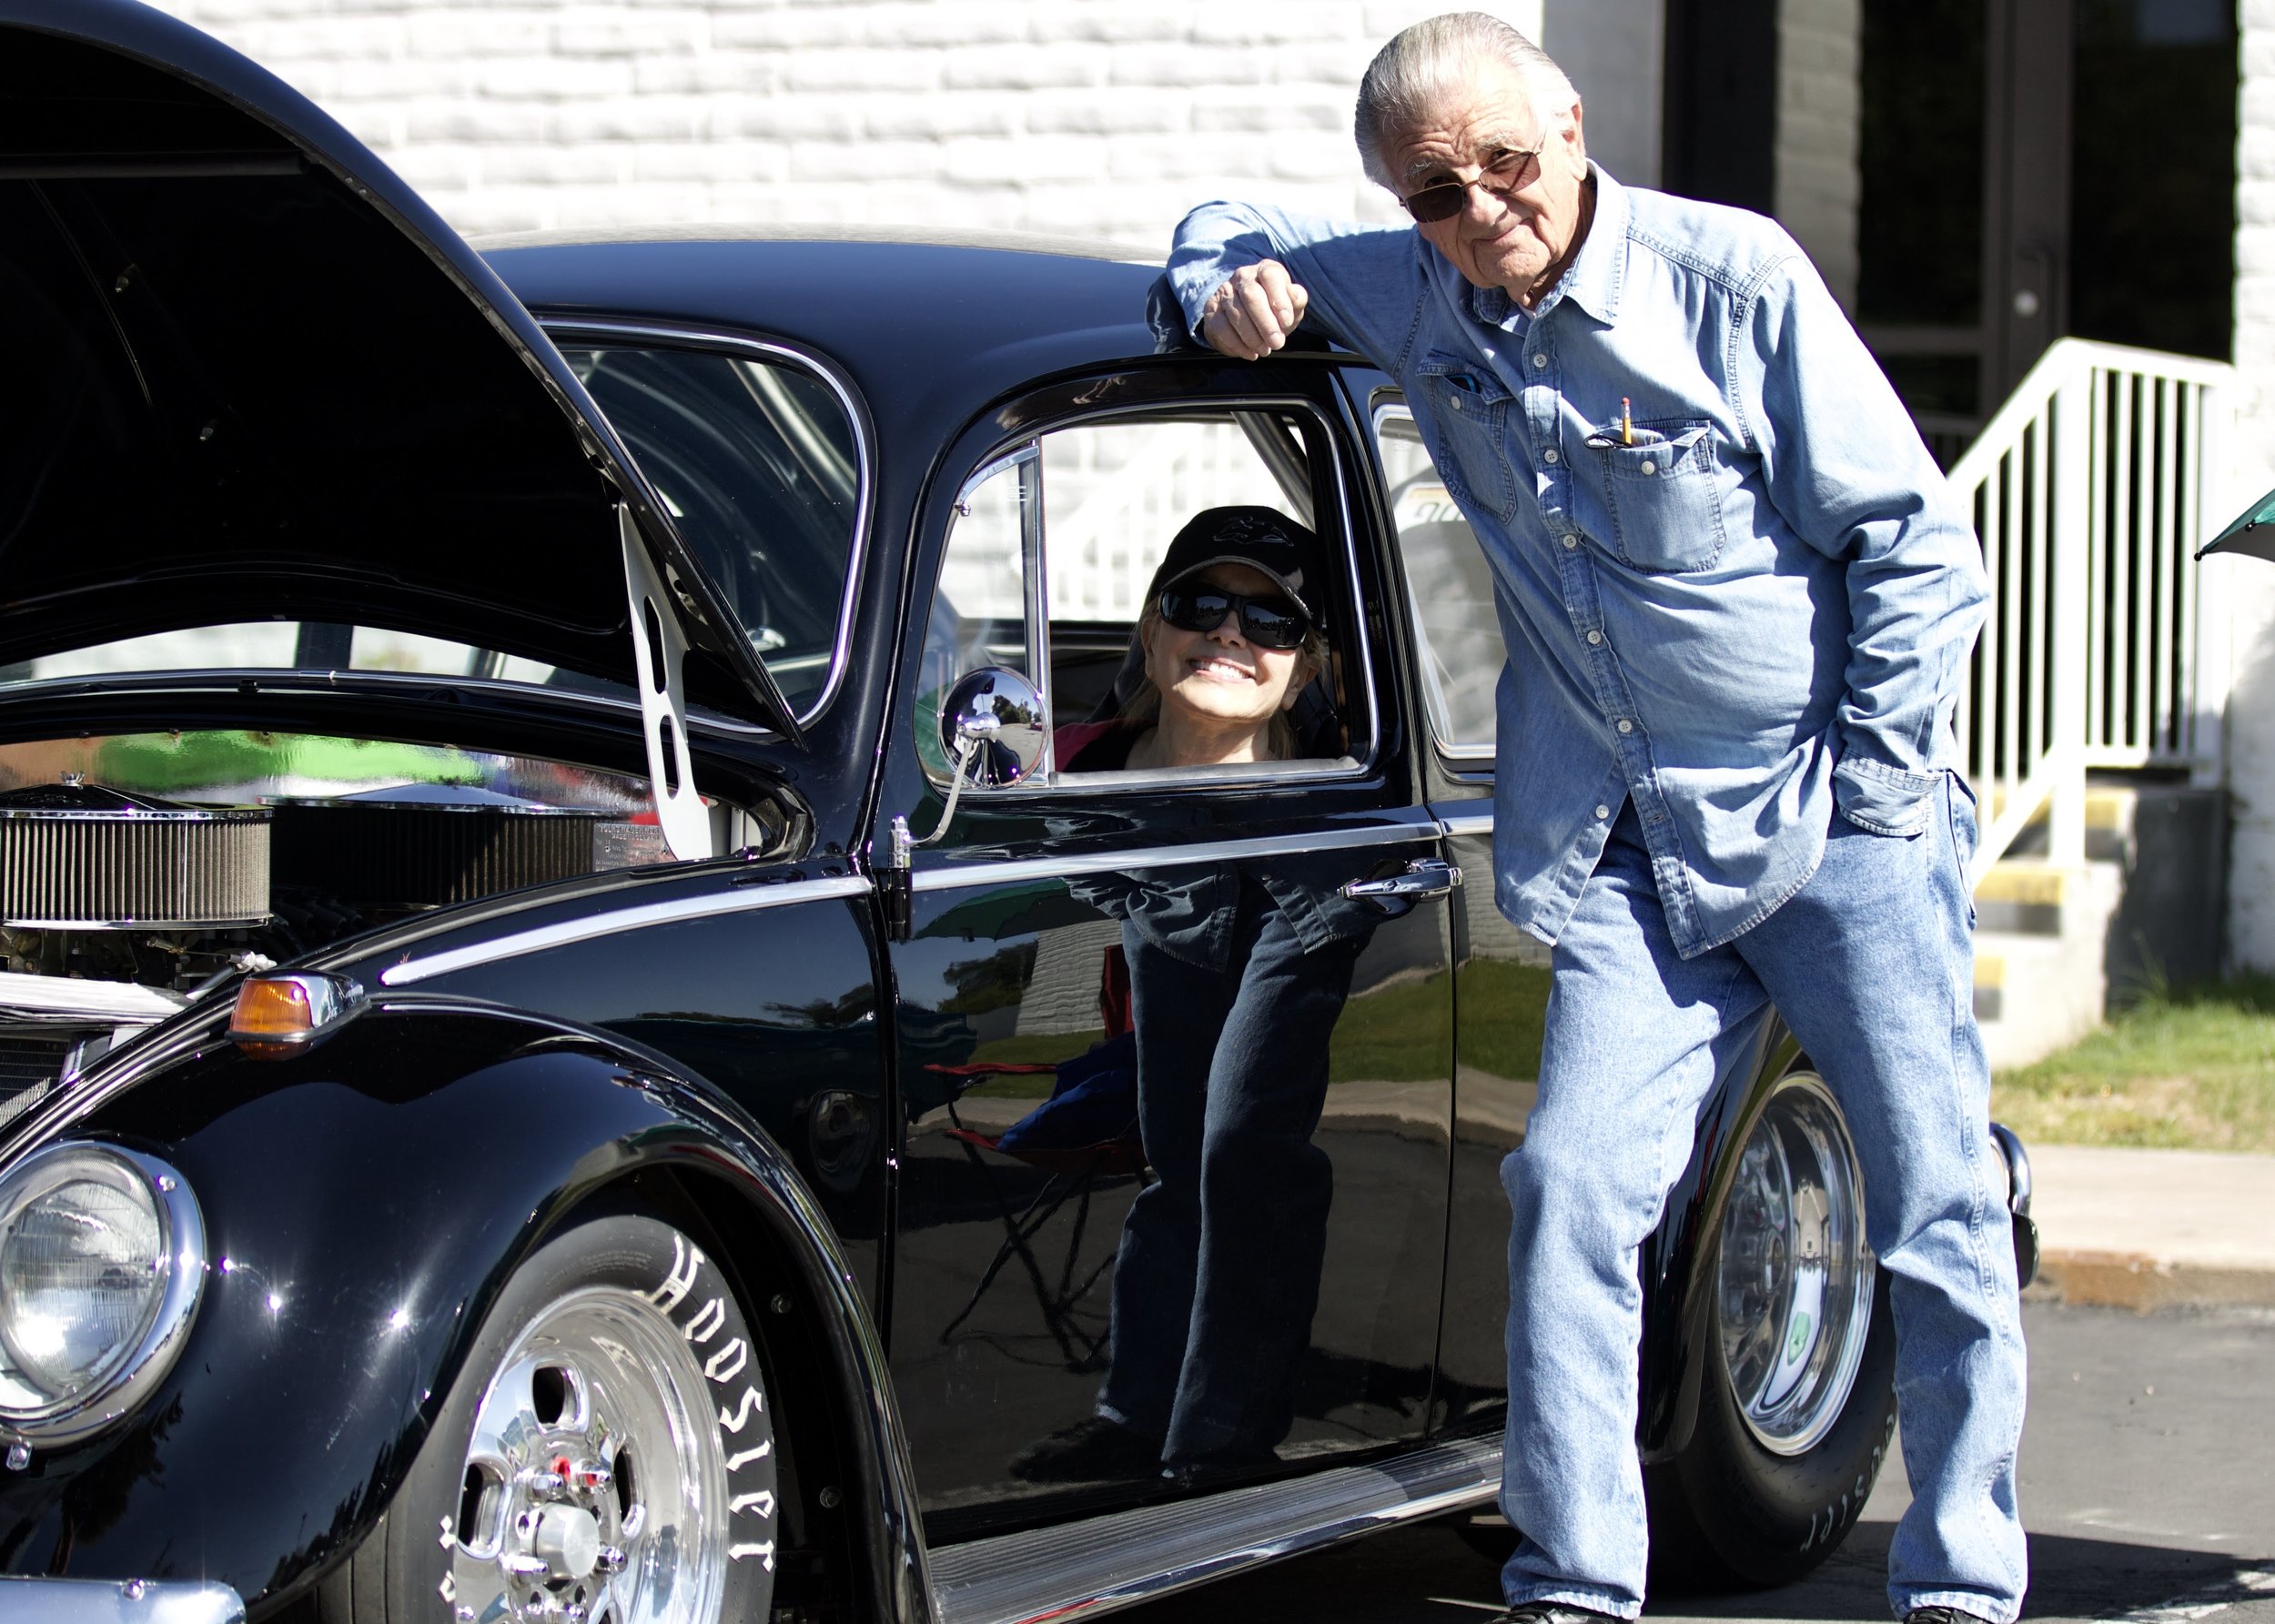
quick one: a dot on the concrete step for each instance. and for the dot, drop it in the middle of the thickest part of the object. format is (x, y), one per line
(2024, 896)
(2042, 978)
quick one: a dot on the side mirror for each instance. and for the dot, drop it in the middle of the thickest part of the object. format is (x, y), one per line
(993, 728)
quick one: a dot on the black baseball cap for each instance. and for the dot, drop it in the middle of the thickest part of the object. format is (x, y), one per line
(1261, 538)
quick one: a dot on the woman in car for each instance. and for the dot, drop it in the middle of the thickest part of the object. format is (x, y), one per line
(1236, 974)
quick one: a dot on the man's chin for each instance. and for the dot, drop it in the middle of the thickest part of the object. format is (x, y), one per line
(1511, 273)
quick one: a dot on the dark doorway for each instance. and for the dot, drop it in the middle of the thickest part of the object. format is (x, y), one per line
(2032, 168)
(2153, 187)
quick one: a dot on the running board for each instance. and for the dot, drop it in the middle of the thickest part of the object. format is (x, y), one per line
(1078, 1569)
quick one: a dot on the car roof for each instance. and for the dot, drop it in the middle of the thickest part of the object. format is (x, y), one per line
(924, 323)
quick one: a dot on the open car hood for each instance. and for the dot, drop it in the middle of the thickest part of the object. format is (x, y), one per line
(252, 377)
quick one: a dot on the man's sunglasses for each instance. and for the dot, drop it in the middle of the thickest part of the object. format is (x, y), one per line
(1508, 172)
(1268, 622)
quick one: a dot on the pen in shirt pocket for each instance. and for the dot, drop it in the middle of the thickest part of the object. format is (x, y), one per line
(1625, 432)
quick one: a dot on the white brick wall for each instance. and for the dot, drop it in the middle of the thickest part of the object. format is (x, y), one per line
(2247, 588)
(1818, 122)
(1088, 118)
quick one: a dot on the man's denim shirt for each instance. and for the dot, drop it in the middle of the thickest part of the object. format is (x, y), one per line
(1761, 609)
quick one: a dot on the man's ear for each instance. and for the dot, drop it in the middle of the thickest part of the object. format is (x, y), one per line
(1579, 137)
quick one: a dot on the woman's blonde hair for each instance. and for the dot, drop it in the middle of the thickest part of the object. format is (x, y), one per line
(1279, 733)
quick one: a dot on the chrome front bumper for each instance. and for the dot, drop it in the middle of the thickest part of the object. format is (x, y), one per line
(118, 1601)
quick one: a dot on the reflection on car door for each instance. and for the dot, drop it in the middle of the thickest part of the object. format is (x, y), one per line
(1502, 974)
(1176, 1104)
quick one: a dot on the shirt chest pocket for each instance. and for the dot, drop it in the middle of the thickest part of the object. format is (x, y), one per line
(1662, 493)
(1472, 411)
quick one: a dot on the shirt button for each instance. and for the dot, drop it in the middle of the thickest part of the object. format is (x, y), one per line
(1595, 638)
(1572, 541)
(1650, 468)
(1626, 726)
(1549, 455)
(1540, 360)
(1602, 812)
(1457, 403)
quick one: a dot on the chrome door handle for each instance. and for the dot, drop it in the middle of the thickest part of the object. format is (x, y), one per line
(1424, 877)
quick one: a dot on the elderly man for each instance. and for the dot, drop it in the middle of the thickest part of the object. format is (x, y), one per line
(1737, 601)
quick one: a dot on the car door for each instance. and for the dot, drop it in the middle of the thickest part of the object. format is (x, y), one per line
(1083, 1000)
(1501, 975)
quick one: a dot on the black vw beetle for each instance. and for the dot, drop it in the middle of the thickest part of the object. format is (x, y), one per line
(566, 1047)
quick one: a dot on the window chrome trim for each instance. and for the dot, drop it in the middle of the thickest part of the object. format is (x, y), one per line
(645, 917)
(1463, 824)
(1227, 406)
(1018, 870)
(568, 330)
(1388, 404)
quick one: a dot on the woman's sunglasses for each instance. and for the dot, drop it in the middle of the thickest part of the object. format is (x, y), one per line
(1268, 622)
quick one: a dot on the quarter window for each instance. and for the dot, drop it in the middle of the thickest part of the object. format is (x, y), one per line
(1451, 589)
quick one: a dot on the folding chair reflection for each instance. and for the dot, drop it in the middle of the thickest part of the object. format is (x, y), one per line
(1084, 1134)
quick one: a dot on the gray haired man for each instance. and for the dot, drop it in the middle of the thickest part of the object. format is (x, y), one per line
(1737, 601)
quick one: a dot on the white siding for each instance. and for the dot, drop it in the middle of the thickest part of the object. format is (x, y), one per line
(2250, 470)
(1085, 117)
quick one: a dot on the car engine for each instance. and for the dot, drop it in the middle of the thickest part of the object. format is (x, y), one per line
(118, 908)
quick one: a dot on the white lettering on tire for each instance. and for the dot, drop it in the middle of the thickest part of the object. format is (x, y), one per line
(725, 1365)
(685, 1260)
(752, 1405)
(707, 1321)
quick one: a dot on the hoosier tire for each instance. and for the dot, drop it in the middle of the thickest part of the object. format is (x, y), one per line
(609, 1446)
(1797, 1406)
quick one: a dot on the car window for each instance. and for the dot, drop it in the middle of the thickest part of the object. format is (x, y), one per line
(1450, 589)
(757, 460)
(1051, 547)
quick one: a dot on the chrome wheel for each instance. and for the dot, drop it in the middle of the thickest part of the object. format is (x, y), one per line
(595, 1485)
(1795, 1275)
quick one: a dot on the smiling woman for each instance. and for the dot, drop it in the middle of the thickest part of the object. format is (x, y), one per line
(1228, 642)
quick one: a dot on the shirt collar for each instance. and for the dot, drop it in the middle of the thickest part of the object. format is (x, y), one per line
(1592, 280)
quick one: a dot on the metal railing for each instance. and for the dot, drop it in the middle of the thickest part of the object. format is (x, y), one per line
(2091, 488)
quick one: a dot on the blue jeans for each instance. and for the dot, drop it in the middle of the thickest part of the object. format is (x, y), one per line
(1870, 964)
(1218, 1272)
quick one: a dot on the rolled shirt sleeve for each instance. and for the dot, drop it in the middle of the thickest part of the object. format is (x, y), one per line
(1364, 282)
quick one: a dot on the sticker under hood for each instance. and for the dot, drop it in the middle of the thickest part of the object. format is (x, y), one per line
(252, 377)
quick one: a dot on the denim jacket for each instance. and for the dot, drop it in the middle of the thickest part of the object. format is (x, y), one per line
(1757, 610)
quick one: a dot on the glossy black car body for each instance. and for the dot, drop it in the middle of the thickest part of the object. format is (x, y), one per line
(290, 396)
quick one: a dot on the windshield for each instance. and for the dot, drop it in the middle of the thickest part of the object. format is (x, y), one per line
(754, 458)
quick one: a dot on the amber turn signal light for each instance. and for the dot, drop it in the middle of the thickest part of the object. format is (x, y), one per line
(279, 1015)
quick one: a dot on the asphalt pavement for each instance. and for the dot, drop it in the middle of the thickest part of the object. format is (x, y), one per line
(2147, 1485)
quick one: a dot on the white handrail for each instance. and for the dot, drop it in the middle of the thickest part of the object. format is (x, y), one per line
(2090, 489)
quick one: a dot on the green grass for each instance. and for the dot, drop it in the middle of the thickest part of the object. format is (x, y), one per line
(2193, 1069)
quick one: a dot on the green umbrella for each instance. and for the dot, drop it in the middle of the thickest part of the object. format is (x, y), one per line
(2252, 532)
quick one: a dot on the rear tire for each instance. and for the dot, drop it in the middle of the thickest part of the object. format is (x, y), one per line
(1797, 1402)
(619, 1352)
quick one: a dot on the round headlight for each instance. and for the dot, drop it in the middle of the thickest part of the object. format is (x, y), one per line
(100, 1254)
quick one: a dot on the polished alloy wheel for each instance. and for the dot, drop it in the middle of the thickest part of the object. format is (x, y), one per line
(594, 1490)
(1796, 1273)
